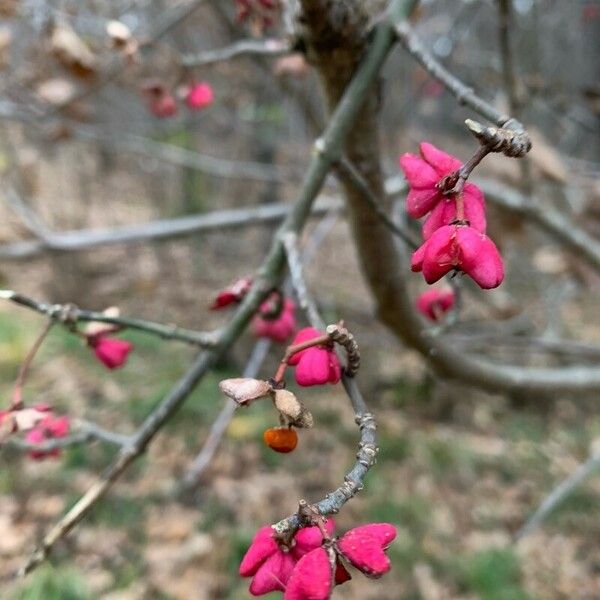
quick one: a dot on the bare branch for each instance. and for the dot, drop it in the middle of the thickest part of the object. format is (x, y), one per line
(560, 347)
(348, 170)
(73, 314)
(307, 304)
(84, 239)
(205, 456)
(559, 494)
(464, 94)
(85, 432)
(550, 220)
(268, 47)
(217, 167)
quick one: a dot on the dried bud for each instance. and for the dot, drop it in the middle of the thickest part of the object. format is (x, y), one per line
(118, 33)
(511, 140)
(245, 389)
(292, 409)
(342, 336)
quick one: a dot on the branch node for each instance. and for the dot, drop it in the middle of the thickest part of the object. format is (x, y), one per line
(512, 140)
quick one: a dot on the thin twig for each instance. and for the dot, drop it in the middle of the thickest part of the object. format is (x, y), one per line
(560, 347)
(558, 495)
(367, 450)
(464, 94)
(268, 47)
(85, 432)
(205, 456)
(306, 302)
(222, 220)
(170, 153)
(328, 149)
(17, 396)
(348, 170)
(167, 332)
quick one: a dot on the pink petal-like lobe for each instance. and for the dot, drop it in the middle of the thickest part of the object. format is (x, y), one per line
(365, 552)
(418, 173)
(312, 578)
(443, 163)
(273, 575)
(309, 538)
(262, 547)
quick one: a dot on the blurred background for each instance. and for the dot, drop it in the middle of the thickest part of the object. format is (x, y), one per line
(459, 470)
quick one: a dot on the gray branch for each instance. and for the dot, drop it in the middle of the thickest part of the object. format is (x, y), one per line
(85, 432)
(559, 494)
(269, 47)
(348, 170)
(72, 314)
(219, 426)
(464, 94)
(367, 448)
(84, 239)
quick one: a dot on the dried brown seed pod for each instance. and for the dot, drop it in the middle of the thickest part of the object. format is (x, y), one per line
(244, 390)
(293, 411)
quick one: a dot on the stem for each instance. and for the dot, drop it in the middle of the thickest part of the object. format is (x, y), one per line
(17, 400)
(322, 340)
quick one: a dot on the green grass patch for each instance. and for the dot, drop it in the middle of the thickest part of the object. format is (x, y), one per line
(412, 513)
(49, 583)
(493, 575)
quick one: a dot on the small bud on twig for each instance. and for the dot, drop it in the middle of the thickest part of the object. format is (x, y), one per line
(343, 337)
(514, 143)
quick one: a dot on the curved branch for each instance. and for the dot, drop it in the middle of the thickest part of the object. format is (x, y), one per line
(367, 448)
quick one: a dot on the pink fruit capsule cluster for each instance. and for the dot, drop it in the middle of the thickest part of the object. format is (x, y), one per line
(435, 303)
(452, 241)
(311, 565)
(162, 102)
(317, 365)
(281, 327)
